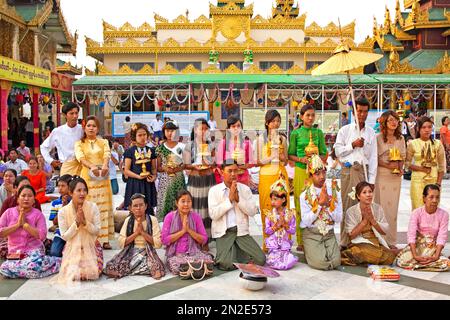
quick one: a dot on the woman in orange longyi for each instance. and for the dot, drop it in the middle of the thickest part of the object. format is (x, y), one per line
(37, 179)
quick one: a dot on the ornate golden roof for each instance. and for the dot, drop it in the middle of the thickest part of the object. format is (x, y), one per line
(182, 22)
(127, 31)
(10, 14)
(231, 8)
(285, 8)
(279, 22)
(68, 68)
(395, 66)
(420, 18)
(331, 30)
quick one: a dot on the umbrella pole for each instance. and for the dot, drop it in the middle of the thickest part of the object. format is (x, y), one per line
(356, 118)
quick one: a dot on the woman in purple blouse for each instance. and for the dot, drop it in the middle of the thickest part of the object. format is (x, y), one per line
(183, 234)
(427, 235)
(26, 229)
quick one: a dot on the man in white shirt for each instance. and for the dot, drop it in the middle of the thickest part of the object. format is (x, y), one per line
(321, 209)
(230, 204)
(64, 138)
(156, 126)
(14, 163)
(212, 123)
(354, 151)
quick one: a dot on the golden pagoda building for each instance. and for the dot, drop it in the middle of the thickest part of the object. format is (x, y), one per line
(280, 44)
(416, 41)
(33, 84)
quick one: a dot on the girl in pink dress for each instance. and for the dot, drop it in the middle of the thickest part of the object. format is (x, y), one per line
(280, 225)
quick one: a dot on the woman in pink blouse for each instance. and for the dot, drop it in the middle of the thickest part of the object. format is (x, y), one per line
(26, 229)
(427, 235)
(183, 234)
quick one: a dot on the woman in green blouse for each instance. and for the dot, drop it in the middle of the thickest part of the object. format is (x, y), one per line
(299, 140)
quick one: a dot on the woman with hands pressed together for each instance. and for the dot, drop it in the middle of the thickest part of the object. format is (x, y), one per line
(184, 234)
(79, 224)
(93, 153)
(139, 237)
(366, 226)
(427, 235)
(25, 229)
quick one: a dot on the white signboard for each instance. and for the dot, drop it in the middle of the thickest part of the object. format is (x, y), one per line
(185, 119)
(255, 118)
(118, 119)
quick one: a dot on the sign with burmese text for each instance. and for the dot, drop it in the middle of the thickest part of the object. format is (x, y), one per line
(16, 71)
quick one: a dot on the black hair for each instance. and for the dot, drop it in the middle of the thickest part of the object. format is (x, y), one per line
(76, 180)
(169, 125)
(18, 180)
(231, 120)
(13, 171)
(69, 106)
(429, 187)
(138, 196)
(181, 193)
(67, 178)
(422, 120)
(27, 186)
(11, 150)
(362, 102)
(360, 187)
(306, 108)
(270, 116)
(138, 126)
(443, 119)
(197, 122)
(228, 162)
(127, 118)
(283, 196)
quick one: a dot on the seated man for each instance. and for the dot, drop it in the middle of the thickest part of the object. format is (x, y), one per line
(230, 204)
(321, 209)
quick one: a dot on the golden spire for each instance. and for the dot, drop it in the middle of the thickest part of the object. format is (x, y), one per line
(387, 21)
(375, 26)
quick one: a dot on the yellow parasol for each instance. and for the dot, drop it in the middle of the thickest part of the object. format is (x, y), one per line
(344, 59)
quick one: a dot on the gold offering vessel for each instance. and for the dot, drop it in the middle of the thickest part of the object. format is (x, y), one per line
(394, 155)
(429, 159)
(204, 152)
(172, 163)
(237, 155)
(311, 149)
(143, 158)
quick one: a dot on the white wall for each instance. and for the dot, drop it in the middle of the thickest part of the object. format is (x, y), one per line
(201, 35)
(262, 35)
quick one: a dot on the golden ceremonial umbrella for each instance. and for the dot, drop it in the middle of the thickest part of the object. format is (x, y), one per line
(344, 59)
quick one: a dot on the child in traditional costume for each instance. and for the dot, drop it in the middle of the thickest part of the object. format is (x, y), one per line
(279, 226)
(321, 209)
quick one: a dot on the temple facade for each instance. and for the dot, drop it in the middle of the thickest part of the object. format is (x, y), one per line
(230, 40)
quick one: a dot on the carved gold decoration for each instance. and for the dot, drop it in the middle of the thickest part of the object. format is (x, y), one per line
(125, 69)
(211, 69)
(42, 15)
(253, 69)
(231, 9)
(279, 22)
(270, 43)
(231, 28)
(182, 22)
(231, 44)
(190, 69)
(290, 43)
(102, 70)
(419, 18)
(160, 19)
(152, 42)
(232, 69)
(6, 40)
(295, 70)
(395, 66)
(168, 69)
(331, 30)
(191, 42)
(274, 69)
(68, 68)
(127, 31)
(171, 42)
(146, 69)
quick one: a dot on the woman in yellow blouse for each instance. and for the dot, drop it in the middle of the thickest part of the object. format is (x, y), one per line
(272, 158)
(93, 153)
(425, 157)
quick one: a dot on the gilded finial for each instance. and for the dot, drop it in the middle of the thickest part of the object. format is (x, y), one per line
(311, 149)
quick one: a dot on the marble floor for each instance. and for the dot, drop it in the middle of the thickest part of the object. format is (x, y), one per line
(301, 282)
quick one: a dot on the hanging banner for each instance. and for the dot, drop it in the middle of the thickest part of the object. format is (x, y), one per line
(16, 71)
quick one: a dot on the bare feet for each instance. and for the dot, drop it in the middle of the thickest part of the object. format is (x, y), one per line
(107, 246)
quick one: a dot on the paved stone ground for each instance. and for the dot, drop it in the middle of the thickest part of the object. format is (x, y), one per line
(301, 282)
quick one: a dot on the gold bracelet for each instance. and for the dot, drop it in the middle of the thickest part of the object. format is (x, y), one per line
(25, 225)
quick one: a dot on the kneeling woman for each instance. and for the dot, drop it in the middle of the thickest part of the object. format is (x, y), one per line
(366, 226)
(427, 235)
(79, 224)
(183, 234)
(26, 229)
(139, 236)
